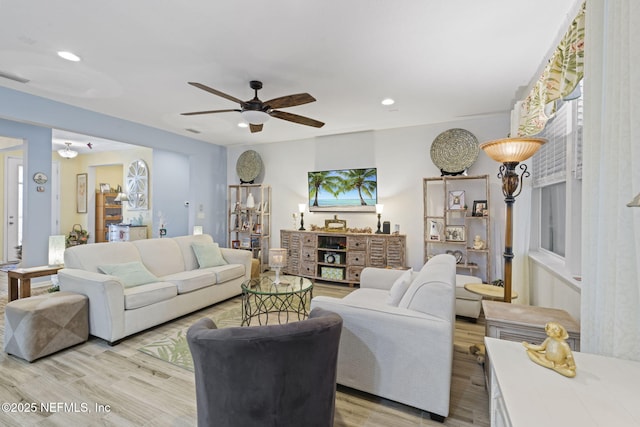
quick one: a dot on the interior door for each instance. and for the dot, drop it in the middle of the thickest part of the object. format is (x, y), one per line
(13, 211)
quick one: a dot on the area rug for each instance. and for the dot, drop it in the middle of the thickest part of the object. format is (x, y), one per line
(174, 348)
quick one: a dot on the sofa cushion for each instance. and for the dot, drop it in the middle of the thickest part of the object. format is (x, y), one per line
(227, 272)
(432, 291)
(188, 281)
(161, 256)
(367, 297)
(461, 292)
(89, 257)
(399, 288)
(151, 293)
(130, 273)
(208, 255)
(189, 257)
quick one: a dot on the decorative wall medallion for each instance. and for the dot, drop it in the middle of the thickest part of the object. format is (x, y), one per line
(248, 166)
(454, 151)
(40, 178)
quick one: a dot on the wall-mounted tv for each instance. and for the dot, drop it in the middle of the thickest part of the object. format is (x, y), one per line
(347, 190)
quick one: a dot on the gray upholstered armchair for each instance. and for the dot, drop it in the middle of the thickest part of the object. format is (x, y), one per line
(274, 375)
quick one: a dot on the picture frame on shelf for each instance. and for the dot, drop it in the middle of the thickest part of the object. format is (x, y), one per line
(479, 208)
(235, 244)
(455, 233)
(456, 199)
(105, 188)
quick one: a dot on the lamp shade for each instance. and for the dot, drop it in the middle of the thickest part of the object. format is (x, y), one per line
(302, 207)
(56, 249)
(379, 208)
(121, 197)
(512, 150)
(255, 117)
(277, 257)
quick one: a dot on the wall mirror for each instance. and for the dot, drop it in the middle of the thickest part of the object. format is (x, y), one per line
(138, 185)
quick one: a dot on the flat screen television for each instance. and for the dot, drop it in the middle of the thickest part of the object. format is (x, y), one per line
(346, 190)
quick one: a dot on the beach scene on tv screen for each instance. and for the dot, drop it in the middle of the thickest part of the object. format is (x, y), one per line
(345, 188)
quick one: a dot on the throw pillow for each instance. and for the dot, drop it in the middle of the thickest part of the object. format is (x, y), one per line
(131, 273)
(399, 288)
(208, 254)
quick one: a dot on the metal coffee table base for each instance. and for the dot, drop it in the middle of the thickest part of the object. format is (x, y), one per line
(265, 301)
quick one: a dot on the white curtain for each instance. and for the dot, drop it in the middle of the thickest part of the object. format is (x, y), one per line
(610, 309)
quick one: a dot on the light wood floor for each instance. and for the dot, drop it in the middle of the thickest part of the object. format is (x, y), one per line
(144, 391)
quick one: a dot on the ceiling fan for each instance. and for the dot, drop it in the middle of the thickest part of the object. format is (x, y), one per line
(256, 112)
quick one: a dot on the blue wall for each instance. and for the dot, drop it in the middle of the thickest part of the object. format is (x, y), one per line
(198, 167)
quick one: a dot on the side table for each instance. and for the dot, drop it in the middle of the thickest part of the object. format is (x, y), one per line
(20, 278)
(488, 291)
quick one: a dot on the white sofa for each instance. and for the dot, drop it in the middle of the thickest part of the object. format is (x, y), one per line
(405, 352)
(117, 311)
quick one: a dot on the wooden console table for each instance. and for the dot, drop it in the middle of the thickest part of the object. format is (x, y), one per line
(20, 278)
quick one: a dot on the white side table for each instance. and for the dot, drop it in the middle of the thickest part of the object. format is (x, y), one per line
(604, 392)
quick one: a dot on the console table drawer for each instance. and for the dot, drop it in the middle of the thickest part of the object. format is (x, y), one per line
(309, 240)
(308, 254)
(353, 274)
(308, 268)
(356, 243)
(356, 258)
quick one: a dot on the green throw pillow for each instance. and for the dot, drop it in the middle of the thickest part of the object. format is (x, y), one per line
(208, 254)
(131, 273)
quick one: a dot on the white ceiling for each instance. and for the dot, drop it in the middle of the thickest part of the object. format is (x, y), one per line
(440, 60)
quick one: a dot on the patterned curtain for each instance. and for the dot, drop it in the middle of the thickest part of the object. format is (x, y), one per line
(559, 78)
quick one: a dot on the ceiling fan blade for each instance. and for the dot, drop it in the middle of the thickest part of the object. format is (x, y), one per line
(255, 128)
(207, 112)
(216, 92)
(296, 118)
(290, 100)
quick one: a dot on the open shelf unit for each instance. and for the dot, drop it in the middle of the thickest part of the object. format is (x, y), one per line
(451, 224)
(250, 227)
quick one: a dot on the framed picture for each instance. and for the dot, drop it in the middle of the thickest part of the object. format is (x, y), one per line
(105, 188)
(455, 233)
(81, 193)
(479, 208)
(456, 199)
(235, 244)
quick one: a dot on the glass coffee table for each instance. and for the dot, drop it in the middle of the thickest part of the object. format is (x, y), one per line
(263, 300)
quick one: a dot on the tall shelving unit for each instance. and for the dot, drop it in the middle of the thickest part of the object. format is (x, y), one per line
(451, 227)
(108, 212)
(250, 227)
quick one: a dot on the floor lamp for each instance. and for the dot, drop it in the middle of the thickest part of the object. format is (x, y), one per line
(510, 152)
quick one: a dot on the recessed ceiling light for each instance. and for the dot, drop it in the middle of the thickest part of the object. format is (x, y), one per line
(68, 56)
(388, 101)
(243, 125)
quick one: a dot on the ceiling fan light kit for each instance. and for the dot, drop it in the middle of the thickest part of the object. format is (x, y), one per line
(256, 112)
(255, 117)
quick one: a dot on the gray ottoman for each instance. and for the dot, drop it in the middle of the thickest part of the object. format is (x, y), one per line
(38, 326)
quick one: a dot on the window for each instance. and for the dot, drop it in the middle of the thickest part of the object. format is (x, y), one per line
(552, 215)
(557, 171)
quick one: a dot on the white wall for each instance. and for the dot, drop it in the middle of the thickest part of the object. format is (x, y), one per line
(402, 157)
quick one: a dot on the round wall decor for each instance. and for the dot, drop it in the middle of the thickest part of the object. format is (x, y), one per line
(454, 151)
(248, 166)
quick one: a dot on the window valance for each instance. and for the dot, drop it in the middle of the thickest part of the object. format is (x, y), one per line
(559, 78)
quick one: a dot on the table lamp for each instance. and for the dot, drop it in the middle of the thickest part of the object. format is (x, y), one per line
(277, 260)
(301, 209)
(379, 208)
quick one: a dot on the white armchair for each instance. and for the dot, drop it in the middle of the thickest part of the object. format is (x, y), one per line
(401, 350)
